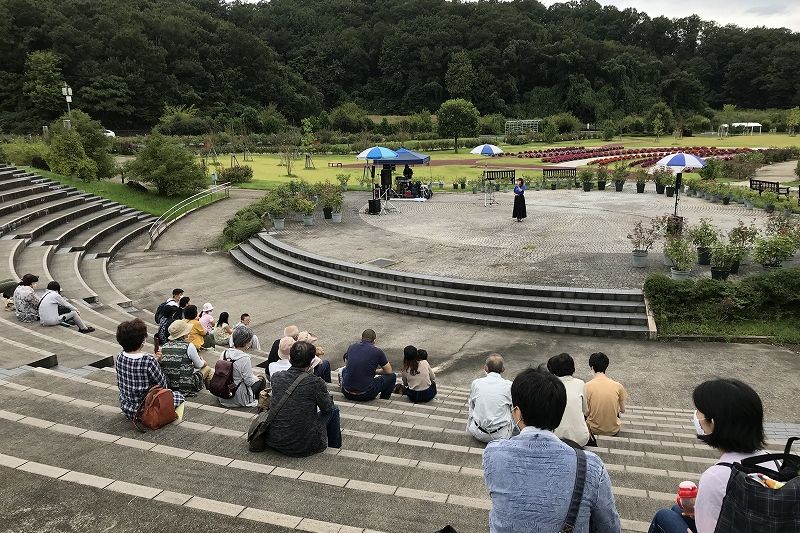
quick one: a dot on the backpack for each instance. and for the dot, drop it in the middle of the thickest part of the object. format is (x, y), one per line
(750, 507)
(157, 316)
(158, 408)
(221, 384)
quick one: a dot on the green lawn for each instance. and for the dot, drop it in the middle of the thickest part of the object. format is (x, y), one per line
(783, 331)
(145, 202)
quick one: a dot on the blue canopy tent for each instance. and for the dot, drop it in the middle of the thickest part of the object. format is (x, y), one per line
(404, 157)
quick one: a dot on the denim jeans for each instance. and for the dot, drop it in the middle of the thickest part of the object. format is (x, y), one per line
(671, 521)
(323, 370)
(422, 396)
(382, 385)
(332, 426)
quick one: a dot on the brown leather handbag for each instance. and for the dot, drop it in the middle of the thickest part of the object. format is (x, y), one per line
(158, 408)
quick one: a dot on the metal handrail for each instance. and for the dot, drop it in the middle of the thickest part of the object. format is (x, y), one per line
(163, 221)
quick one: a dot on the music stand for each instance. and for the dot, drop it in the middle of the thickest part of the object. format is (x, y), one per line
(488, 193)
(386, 204)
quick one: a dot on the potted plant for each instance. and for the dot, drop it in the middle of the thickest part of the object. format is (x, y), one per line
(748, 197)
(725, 191)
(704, 235)
(741, 238)
(769, 200)
(771, 251)
(554, 184)
(336, 202)
(276, 209)
(306, 208)
(642, 238)
(660, 177)
(455, 185)
(669, 185)
(602, 178)
(641, 179)
(343, 179)
(475, 187)
(619, 176)
(463, 182)
(586, 176)
(683, 256)
(722, 258)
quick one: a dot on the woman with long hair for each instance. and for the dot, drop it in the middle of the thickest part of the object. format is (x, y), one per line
(419, 381)
(223, 330)
(519, 211)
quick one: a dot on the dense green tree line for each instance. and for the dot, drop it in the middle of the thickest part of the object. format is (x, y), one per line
(263, 65)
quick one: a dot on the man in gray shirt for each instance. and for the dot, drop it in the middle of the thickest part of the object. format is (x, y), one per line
(54, 309)
(490, 403)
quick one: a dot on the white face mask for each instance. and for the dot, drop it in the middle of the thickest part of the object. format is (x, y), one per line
(697, 427)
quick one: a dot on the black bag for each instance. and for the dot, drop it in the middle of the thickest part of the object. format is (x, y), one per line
(157, 317)
(577, 493)
(257, 434)
(749, 507)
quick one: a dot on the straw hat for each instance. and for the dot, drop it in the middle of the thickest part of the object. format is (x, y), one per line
(178, 329)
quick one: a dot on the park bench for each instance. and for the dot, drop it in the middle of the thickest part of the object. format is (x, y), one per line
(332, 164)
(560, 173)
(773, 186)
(507, 175)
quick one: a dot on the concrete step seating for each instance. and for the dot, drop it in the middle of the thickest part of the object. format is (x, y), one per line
(580, 311)
(412, 461)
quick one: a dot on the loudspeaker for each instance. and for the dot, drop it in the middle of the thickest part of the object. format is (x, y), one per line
(374, 207)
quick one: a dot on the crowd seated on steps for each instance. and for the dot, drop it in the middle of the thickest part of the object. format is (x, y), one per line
(52, 309)
(544, 417)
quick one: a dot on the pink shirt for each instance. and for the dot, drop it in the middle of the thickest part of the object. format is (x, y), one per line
(207, 321)
(712, 488)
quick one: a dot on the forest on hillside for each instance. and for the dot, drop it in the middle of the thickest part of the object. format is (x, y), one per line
(127, 61)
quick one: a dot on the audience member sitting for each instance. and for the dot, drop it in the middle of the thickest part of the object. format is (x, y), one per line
(55, 310)
(367, 372)
(223, 330)
(206, 317)
(168, 316)
(490, 403)
(605, 398)
(177, 314)
(572, 429)
(186, 371)
(729, 416)
(248, 386)
(299, 429)
(322, 367)
(245, 321)
(419, 381)
(198, 333)
(171, 303)
(284, 352)
(288, 331)
(137, 371)
(531, 476)
(26, 303)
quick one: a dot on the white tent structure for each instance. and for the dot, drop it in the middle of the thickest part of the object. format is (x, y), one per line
(749, 127)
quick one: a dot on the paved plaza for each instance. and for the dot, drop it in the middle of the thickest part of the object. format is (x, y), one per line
(570, 238)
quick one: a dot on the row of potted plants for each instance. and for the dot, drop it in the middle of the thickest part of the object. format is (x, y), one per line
(301, 199)
(725, 193)
(704, 244)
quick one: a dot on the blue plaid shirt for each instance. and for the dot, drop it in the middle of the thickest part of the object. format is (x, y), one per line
(135, 376)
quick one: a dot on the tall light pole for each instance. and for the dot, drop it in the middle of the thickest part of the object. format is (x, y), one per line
(66, 91)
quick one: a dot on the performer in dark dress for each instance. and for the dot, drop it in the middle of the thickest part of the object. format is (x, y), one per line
(519, 200)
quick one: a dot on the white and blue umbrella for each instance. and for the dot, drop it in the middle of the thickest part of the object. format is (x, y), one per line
(486, 149)
(681, 160)
(377, 152)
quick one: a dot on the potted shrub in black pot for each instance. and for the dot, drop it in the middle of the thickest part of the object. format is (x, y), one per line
(772, 251)
(704, 236)
(586, 176)
(669, 185)
(769, 199)
(741, 238)
(722, 257)
(463, 182)
(660, 176)
(683, 255)
(725, 191)
(643, 237)
(619, 176)
(641, 179)
(602, 177)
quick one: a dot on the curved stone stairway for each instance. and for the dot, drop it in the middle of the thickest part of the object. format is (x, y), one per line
(403, 467)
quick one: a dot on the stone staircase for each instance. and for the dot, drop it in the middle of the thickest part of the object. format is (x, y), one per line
(599, 312)
(402, 468)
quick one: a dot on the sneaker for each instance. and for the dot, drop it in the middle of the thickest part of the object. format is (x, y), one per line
(87, 330)
(65, 324)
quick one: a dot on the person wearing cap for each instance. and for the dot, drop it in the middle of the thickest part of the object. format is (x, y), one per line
(248, 386)
(186, 371)
(309, 421)
(26, 303)
(207, 317)
(367, 372)
(55, 310)
(198, 333)
(245, 321)
(288, 331)
(490, 403)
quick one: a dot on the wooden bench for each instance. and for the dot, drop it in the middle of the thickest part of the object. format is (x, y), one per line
(331, 164)
(561, 173)
(508, 175)
(773, 186)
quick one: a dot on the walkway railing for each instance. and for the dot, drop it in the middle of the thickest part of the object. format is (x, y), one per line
(200, 199)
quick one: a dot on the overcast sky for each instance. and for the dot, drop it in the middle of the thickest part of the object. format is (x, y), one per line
(745, 13)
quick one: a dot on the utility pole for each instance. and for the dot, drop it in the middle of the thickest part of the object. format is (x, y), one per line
(66, 91)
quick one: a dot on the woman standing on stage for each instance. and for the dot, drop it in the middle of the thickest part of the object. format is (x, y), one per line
(519, 200)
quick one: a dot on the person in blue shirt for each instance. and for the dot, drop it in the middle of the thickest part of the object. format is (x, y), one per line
(519, 200)
(531, 476)
(367, 373)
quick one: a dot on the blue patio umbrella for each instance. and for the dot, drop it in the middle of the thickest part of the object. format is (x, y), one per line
(486, 149)
(377, 152)
(681, 160)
